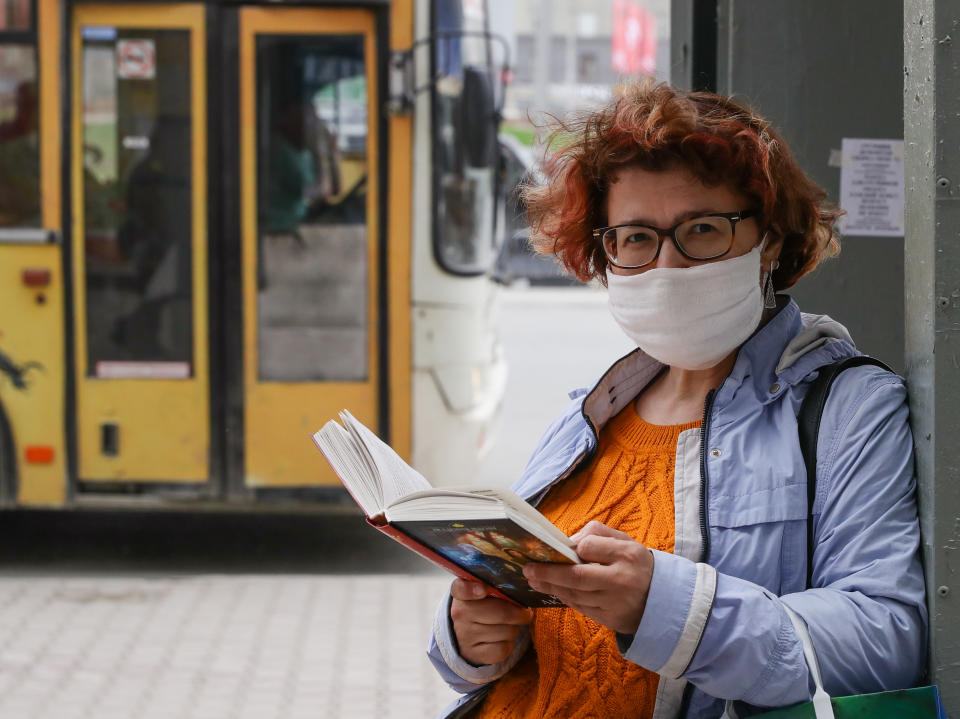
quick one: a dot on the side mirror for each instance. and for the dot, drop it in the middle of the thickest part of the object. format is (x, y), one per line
(480, 118)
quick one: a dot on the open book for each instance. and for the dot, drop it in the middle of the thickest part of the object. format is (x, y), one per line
(478, 534)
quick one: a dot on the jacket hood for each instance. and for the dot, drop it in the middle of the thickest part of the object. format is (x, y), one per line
(818, 330)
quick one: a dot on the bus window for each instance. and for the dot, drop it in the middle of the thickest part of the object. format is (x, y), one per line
(137, 200)
(19, 136)
(16, 14)
(313, 253)
(464, 178)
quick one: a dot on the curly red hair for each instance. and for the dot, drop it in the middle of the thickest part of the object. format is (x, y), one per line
(655, 126)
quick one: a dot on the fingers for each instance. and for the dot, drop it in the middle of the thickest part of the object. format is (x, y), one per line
(613, 565)
(583, 601)
(471, 604)
(466, 590)
(476, 634)
(486, 628)
(487, 652)
(599, 529)
(582, 587)
(490, 611)
(579, 599)
(580, 577)
(608, 550)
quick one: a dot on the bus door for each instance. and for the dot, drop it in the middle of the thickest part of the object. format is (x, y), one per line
(310, 234)
(139, 244)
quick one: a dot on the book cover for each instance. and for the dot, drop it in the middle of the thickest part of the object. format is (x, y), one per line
(492, 550)
(480, 534)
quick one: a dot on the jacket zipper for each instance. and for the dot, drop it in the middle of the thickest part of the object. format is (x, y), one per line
(704, 480)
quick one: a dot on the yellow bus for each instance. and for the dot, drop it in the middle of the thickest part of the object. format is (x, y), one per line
(222, 222)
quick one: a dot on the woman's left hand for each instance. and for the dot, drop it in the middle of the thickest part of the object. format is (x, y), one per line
(610, 587)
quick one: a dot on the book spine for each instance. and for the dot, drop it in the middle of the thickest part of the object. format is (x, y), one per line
(438, 559)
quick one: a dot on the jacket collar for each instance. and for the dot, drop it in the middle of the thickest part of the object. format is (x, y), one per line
(618, 386)
(776, 357)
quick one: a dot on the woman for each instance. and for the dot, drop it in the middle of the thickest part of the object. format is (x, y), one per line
(679, 474)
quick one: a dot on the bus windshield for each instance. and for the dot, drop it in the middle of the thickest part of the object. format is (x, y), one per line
(463, 174)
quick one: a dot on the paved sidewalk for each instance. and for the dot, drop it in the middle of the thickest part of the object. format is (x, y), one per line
(212, 647)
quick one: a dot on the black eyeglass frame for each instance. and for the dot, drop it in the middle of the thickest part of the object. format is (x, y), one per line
(732, 217)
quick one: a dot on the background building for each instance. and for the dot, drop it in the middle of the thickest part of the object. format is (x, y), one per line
(566, 54)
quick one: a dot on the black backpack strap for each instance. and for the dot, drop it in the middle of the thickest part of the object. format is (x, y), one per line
(808, 422)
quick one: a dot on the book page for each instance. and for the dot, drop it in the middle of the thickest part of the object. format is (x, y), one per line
(431, 503)
(395, 477)
(354, 468)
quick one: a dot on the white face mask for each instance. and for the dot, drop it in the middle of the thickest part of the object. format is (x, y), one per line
(690, 317)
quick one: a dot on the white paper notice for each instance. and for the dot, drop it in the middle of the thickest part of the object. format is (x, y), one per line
(872, 188)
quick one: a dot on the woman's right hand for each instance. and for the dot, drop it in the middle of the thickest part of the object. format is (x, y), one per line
(486, 627)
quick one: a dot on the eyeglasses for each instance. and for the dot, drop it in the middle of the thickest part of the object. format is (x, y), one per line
(631, 247)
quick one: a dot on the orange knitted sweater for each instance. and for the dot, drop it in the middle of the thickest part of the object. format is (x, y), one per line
(575, 669)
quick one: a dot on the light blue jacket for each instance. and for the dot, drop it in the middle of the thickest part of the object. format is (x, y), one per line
(714, 626)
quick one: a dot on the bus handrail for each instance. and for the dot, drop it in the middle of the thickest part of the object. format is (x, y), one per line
(403, 89)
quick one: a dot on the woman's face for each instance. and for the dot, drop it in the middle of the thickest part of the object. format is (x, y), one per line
(664, 198)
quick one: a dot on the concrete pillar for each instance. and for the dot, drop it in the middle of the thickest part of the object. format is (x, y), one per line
(932, 309)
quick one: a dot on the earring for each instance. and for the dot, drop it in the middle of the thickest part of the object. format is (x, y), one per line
(769, 298)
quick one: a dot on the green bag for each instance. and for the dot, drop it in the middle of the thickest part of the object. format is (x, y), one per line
(921, 703)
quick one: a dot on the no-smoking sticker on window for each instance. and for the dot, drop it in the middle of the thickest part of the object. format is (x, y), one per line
(136, 59)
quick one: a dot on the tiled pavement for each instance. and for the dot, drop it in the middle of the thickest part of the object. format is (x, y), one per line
(212, 647)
